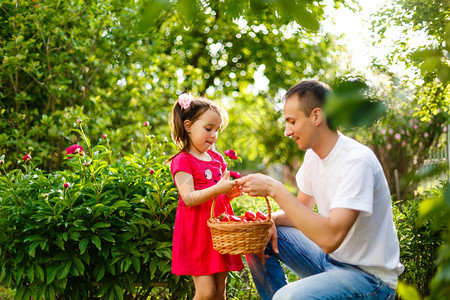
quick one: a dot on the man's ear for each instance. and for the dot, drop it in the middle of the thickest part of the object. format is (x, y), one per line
(317, 116)
(187, 125)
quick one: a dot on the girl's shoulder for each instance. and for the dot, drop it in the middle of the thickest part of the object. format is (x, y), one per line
(182, 158)
(216, 155)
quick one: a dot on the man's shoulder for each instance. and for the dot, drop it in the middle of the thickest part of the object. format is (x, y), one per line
(355, 147)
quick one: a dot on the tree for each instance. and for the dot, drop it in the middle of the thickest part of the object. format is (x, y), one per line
(419, 105)
(124, 66)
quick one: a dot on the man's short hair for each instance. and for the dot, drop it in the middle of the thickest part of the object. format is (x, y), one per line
(311, 94)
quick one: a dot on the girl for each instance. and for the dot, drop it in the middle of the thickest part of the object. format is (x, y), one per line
(200, 175)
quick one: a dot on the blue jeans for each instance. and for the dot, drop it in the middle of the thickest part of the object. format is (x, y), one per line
(322, 276)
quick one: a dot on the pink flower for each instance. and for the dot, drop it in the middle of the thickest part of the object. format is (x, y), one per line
(26, 157)
(391, 131)
(425, 134)
(74, 149)
(235, 175)
(445, 129)
(104, 136)
(78, 121)
(231, 154)
(185, 100)
(383, 131)
(66, 185)
(397, 136)
(145, 123)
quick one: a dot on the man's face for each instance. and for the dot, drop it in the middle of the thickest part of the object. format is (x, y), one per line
(300, 127)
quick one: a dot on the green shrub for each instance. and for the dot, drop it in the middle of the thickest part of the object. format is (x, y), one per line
(419, 242)
(102, 228)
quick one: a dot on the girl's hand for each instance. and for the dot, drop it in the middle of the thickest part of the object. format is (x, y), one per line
(235, 192)
(225, 186)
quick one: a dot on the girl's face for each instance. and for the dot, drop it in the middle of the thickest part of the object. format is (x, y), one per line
(203, 132)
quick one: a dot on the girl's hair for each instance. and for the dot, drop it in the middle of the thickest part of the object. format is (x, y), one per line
(196, 109)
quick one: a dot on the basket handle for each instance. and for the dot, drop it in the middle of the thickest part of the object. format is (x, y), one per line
(269, 214)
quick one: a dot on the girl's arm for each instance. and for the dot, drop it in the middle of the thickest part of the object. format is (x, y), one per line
(192, 197)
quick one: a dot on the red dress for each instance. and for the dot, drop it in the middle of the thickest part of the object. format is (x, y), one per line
(192, 250)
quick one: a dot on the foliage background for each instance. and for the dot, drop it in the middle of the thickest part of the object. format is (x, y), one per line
(116, 64)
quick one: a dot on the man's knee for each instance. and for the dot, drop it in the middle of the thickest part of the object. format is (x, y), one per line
(285, 294)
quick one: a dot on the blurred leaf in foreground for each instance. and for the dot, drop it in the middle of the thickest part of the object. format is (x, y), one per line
(348, 106)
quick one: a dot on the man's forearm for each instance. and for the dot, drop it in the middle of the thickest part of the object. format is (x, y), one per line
(280, 219)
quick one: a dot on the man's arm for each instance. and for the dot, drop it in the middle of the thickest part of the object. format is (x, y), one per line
(327, 232)
(280, 218)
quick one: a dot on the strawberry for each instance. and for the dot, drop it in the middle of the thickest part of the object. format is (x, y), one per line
(261, 215)
(235, 218)
(250, 216)
(224, 217)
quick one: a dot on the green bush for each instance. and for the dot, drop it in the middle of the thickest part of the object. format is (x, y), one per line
(419, 242)
(101, 228)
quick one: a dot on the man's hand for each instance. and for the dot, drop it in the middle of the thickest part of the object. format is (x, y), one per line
(273, 237)
(257, 184)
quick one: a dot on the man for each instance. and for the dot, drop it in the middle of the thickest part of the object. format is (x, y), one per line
(350, 248)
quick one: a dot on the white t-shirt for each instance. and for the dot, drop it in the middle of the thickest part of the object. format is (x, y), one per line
(352, 177)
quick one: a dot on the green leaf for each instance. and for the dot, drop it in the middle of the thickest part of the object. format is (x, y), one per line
(83, 245)
(34, 238)
(20, 292)
(85, 256)
(19, 273)
(408, 292)
(136, 264)
(119, 291)
(101, 225)
(41, 291)
(64, 270)
(78, 264)
(99, 272)
(60, 244)
(39, 272)
(121, 205)
(30, 273)
(32, 249)
(50, 293)
(51, 271)
(127, 264)
(111, 267)
(153, 267)
(97, 242)
(19, 258)
(187, 9)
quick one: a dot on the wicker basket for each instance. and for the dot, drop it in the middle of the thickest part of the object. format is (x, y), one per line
(240, 238)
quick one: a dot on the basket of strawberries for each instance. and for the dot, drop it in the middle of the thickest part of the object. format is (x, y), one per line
(240, 234)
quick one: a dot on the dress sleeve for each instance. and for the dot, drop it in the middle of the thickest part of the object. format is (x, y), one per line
(181, 163)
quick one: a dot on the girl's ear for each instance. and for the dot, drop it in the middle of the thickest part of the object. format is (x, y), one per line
(187, 125)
